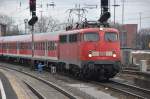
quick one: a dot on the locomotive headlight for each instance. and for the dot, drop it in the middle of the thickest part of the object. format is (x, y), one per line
(101, 28)
(114, 55)
(90, 55)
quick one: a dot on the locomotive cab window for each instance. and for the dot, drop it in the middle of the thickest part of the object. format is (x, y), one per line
(73, 38)
(63, 38)
(91, 36)
(111, 36)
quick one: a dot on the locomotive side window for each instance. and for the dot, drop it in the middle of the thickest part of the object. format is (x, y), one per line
(91, 36)
(52, 45)
(111, 36)
(73, 38)
(63, 38)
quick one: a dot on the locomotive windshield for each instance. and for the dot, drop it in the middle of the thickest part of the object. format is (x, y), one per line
(111, 36)
(91, 36)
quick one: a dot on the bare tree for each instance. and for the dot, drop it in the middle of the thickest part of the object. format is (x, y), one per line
(143, 38)
(11, 29)
(46, 24)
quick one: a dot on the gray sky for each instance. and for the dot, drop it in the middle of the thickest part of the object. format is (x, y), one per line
(132, 10)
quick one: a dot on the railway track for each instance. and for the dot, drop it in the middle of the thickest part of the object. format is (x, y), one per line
(36, 89)
(139, 73)
(120, 87)
(128, 89)
(38, 94)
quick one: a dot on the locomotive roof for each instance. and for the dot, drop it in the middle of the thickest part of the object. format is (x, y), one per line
(49, 35)
(88, 30)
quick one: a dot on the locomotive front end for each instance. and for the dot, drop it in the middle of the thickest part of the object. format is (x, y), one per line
(100, 53)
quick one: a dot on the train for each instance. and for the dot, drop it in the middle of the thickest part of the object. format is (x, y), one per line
(86, 53)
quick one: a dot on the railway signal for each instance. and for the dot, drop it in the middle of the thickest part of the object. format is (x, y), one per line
(104, 6)
(32, 4)
(105, 15)
(34, 18)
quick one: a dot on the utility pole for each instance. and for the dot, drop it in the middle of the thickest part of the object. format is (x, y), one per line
(114, 11)
(79, 15)
(41, 29)
(25, 23)
(31, 22)
(140, 19)
(123, 11)
(115, 5)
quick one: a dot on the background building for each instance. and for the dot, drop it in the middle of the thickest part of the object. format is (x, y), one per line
(2, 30)
(128, 36)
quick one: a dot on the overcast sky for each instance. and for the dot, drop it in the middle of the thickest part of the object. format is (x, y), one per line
(20, 11)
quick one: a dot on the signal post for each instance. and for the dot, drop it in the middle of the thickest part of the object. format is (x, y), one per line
(31, 22)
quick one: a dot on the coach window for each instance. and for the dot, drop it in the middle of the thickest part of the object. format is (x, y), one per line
(63, 38)
(111, 36)
(12, 46)
(28, 44)
(55, 45)
(49, 45)
(40, 46)
(25, 45)
(43, 45)
(73, 38)
(91, 36)
(7, 45)
(35, 47)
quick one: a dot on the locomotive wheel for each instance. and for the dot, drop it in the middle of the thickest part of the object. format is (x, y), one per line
(101, 76)
(86, 74)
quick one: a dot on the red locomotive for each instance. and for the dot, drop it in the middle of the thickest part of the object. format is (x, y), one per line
(89, 52)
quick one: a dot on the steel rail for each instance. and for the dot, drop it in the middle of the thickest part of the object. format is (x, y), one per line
(126, 89)
(56, 87)
(38, 94)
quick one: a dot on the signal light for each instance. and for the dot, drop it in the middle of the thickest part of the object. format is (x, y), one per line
(104, 3)
(114, 55)
(33, 20)
(32, 4)
(104, 17)
(90, 55)
(104, 6)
